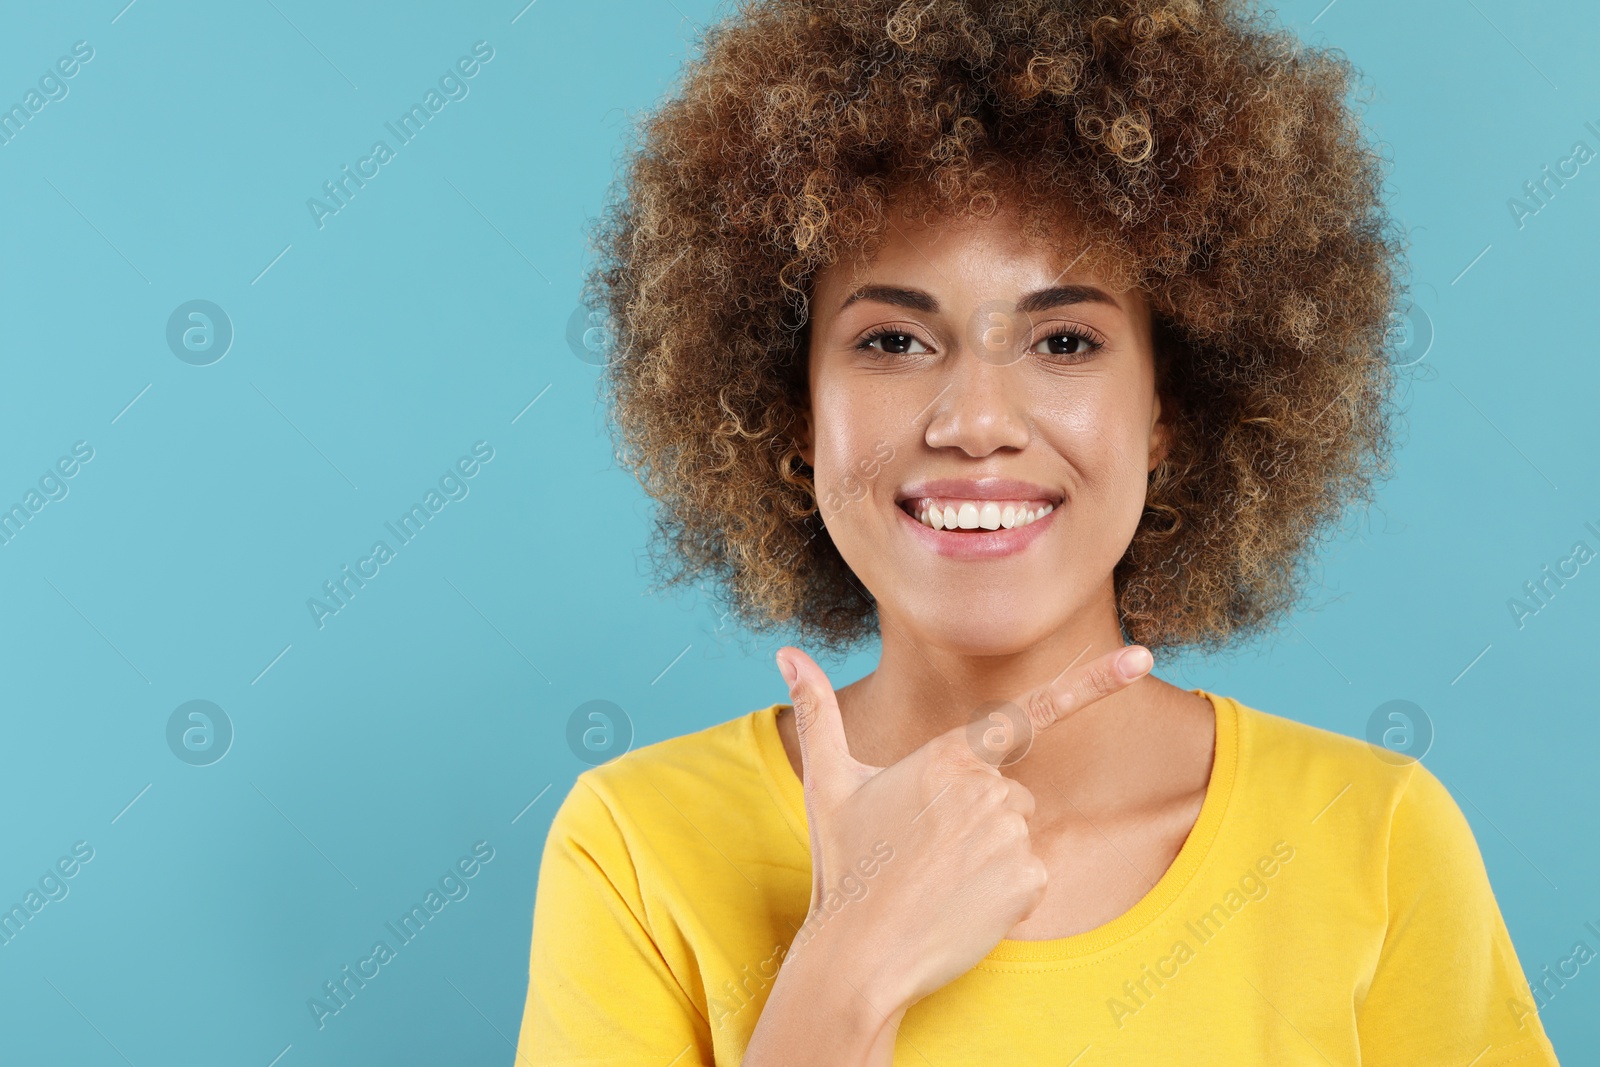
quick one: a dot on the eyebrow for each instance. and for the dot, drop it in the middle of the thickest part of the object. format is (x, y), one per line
(1039, 300)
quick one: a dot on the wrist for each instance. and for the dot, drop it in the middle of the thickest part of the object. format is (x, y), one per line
(829, 954)
(816, 1017)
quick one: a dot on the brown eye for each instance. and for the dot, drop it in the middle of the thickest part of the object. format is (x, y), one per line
(1068, 345)
(894, 342)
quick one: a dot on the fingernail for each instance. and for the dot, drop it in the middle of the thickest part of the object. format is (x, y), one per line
(1134, 662)
(787, 669)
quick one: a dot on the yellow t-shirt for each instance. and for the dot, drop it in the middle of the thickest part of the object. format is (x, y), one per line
(1330, 907)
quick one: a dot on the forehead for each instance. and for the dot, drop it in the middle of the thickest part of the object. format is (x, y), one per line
(968, 258)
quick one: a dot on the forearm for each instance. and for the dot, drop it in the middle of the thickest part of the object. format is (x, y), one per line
(825, 1008)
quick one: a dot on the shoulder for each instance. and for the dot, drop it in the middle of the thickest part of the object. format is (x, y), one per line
(683, 789)
(1380, 832)
(692, 757)
(1323, 772)
(1298, 744)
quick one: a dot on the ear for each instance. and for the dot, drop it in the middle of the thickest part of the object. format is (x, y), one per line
(1160, 434)
(1162, 430)
(1163, 427)
(805, 439)
(1164, 409)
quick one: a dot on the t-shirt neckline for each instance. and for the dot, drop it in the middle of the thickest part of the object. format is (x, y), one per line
(786, 785)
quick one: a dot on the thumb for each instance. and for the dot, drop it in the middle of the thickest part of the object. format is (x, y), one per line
(828, 769)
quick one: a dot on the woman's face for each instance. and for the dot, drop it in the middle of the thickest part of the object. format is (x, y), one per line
(971, 374)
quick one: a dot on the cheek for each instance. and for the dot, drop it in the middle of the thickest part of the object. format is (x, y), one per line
(1104, 440)
(1104, 436)
(853, 452)
(849, 484)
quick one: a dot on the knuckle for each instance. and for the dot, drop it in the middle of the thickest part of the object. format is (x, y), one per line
(1100, 680)
(805, 713)
(1042, 708)
(951, 755)
(802, 714)
(991, 791)
(1035, 875)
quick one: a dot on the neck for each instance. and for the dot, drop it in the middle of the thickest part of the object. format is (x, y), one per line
(921, 689)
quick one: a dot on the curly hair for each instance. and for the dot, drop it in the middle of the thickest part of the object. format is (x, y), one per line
(1209, 158)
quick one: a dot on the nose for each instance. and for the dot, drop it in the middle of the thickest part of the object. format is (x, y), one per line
(982, 407)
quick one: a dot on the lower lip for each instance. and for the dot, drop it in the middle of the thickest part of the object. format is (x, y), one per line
(978, 544)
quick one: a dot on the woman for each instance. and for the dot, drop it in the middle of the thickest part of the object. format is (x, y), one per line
(1028, 338)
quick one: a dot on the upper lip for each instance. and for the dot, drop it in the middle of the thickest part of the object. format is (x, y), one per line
(978, 489)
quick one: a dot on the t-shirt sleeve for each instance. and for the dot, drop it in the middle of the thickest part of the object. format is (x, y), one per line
(599, 990)
(1448, 988)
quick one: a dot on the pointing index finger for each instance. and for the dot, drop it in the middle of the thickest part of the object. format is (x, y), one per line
(1005, 731)
(1072, 691)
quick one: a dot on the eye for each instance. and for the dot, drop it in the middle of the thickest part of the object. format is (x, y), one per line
(1069, 346)
(895, 342)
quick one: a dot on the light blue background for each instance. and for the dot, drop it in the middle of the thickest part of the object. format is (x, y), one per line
(371, 353)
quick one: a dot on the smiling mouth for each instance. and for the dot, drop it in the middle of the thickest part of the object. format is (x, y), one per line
(977, 516)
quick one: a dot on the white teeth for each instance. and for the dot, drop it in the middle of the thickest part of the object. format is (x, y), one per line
(981, 514)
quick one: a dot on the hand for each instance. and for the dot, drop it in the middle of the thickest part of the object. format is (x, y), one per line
(943, 834)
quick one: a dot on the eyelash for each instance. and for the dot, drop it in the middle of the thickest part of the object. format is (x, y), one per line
(1092, 344)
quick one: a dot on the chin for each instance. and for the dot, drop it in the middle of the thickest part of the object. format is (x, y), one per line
(997, 630)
